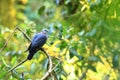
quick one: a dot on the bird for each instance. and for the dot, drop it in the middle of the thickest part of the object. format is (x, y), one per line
(37, 42)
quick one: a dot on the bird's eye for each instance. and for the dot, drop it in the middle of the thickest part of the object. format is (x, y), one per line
(46, 30)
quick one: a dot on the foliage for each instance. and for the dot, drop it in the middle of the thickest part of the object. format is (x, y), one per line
(85, 34)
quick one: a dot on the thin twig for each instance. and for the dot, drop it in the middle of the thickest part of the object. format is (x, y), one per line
(50, 65)
(56, 65)
(10, 36)
(50, 71)
(18, 65)
(83, 74)
(25, 35)
(49, 58)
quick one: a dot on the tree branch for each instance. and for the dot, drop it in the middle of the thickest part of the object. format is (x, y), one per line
(18, 65)
(50, 70)
(27, 37)
(50, 65)
(10, 36)
(24, 34)
(56, 65)
(49, 58)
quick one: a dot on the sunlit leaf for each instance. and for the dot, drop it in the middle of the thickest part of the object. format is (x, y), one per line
(1, 67)
(14, 60)
(4, 62)
(2, 74)
(84, 34)
(81, 33)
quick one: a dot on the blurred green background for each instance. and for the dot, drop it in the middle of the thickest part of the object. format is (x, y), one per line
(85, 34)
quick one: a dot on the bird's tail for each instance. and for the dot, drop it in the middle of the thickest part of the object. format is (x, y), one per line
(31, 54)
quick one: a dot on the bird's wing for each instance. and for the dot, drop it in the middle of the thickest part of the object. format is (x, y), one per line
(35, 36)
(39, 41)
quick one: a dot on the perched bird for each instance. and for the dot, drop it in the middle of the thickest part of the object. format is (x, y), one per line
(37, 42)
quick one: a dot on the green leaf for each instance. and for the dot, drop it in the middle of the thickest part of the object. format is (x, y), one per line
(1, 67)
(81, 33)
(28, 31)
(14, 60)
(32, 69)
(41, 10)
(92, 6)
(93, 58)
(92, 68)
(115, 60)
(15, 74)
(80, 57)
(62, 45)
(2, 74)
(91, 33)
(72, 52)
(4, 62)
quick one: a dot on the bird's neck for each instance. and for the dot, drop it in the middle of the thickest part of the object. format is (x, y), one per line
(43, 33)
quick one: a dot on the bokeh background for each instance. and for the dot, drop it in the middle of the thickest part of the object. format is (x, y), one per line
(84, 34)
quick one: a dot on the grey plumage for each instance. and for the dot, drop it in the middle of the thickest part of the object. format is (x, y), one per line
(37, 42)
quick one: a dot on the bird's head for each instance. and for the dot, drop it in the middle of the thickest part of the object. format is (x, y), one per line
(45, 31)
